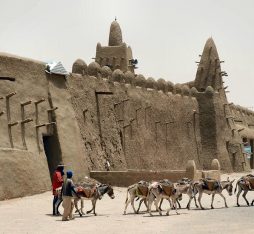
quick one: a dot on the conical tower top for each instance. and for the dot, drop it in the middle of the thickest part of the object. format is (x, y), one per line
(209, 69)
(115, 34)
(210, 48)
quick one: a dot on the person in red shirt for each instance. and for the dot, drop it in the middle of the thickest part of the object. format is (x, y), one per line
(57, 182)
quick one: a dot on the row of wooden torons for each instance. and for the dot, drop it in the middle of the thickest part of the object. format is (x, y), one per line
(157, 191)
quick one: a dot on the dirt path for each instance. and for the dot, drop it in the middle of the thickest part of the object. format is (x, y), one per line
(33, 215)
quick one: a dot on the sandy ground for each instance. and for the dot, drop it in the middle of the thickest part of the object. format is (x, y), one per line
(33, 215)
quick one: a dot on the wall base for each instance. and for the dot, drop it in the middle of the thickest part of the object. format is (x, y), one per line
(22, 173)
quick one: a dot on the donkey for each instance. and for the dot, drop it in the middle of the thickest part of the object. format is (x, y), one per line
(185, 186)
(92, 193)
(210, 186)
(138, 190)
(160, 190)
(245, 184)
(189, 190)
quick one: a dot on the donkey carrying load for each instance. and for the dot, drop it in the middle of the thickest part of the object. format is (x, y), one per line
(185, 186)
(138, 190)
(245, 184)
(92, 193)
(163, 190)
(211, 186)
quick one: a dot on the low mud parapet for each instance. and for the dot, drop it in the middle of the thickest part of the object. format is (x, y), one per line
(128, 177)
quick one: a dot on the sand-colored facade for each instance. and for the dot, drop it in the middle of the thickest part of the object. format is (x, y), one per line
(103, 116)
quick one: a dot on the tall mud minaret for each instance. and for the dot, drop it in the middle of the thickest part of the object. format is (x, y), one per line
(219, 136)
(116, 55)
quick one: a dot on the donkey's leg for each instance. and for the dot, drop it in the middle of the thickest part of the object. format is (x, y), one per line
(171, 206)
(224, 199)
(195, 199)
(89, 211)
(150, 198)
(244, 196)
(76, 206)
(212, 201)
(161, 204)
(199, 199)
(252, 202)
(132, 204)
(178, 204)
(190, 194)
(174, 200)
(156, 205)
(82, 206)
(146, 204)
(140, 202)
(237, 195)
(94, 204)
(170, 203)
(127, 202)
(189, 202)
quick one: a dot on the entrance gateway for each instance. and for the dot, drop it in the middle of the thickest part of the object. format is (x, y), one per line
(52, 151)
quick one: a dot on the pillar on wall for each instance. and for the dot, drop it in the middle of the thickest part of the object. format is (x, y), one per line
(215, 164)
(191, 169)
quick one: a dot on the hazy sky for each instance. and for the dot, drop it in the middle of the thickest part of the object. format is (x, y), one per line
(166, 36)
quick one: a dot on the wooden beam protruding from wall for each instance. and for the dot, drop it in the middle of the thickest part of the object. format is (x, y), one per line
(24, 121)
(8, 113)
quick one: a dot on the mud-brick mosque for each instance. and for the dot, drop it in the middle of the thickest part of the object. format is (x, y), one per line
(105, 117)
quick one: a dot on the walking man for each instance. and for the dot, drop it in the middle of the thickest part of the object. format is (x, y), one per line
(57, 182)
(67, 194)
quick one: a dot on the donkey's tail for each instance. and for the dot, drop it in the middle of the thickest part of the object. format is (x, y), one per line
(127, 194)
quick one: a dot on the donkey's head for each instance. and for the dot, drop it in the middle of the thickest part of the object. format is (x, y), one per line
(106, 188)
(229, 186)
(110, 192)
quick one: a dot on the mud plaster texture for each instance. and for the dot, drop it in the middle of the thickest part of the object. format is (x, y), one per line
(102, 123)
(130, 134)
(33, 84)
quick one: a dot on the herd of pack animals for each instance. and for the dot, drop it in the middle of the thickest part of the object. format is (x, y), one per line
(157, 191)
